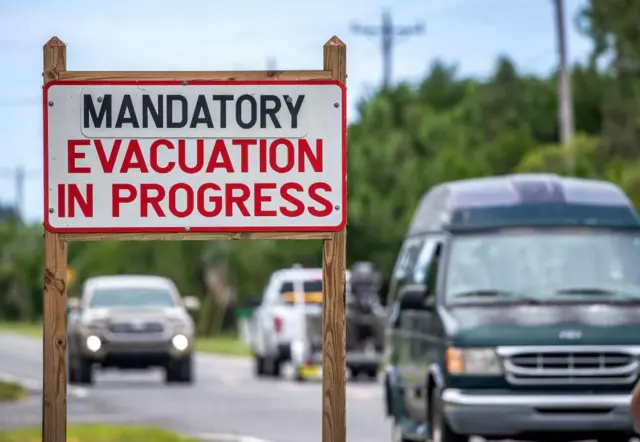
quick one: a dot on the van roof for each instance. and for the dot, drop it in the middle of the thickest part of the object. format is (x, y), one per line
(522, 199)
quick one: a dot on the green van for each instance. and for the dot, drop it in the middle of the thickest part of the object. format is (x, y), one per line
(514, 313)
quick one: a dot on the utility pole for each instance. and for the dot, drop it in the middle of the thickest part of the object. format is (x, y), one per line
(19, 176)
(388, 34)
(19, 202)
(565, 101)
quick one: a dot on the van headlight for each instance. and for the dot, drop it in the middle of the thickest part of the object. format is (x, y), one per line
(473, 361)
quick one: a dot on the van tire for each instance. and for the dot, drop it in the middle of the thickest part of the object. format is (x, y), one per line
(438, 422)
(396, 432)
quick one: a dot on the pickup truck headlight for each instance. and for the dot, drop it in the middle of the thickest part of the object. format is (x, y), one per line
(473, 361)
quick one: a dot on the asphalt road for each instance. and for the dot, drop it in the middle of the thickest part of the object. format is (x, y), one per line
(226, 398)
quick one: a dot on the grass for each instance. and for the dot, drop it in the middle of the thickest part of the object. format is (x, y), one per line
(224, 344)
(10, 392)
(98, 433)
(24, 328)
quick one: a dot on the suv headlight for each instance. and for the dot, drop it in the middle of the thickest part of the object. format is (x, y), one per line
(473, 361)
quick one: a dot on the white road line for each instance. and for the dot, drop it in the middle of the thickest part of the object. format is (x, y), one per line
(223, 437)
(36, 386)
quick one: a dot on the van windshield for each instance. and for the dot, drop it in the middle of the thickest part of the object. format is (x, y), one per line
(544, 266)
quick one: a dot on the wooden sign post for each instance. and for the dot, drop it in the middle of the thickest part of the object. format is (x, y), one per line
(194, 156)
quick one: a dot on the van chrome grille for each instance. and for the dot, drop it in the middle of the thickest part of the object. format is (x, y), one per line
(589, 366)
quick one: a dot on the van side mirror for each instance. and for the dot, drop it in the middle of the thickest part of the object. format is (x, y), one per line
(413, 297)
(191, 303)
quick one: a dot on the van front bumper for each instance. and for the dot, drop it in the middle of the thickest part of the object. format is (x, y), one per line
(496, 413)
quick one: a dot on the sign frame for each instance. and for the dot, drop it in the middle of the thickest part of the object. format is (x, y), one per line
(54, 339)
(49, 104)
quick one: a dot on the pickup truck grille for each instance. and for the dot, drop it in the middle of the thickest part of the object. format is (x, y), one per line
(136, 327)
(550, 367)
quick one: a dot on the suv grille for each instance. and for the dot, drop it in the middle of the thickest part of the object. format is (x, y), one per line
(550, 367)
(136, 327)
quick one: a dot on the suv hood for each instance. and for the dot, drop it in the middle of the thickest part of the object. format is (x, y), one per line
(125, 314)
(501, 325)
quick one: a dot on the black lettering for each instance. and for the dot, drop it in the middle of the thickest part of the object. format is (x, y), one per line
(294, 109)
(223, 99)
(90, 111)
(149, 109)
(201, 106)
(272, 112)
(184, 117)
(126, 107)
(253, 111)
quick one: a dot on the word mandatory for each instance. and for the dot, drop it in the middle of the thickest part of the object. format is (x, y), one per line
(162, 168)
(173, 111)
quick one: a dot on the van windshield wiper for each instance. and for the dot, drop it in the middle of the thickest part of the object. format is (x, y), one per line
(596, 291)
(488, 293)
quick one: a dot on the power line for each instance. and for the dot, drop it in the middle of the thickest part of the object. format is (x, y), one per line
(388, 33)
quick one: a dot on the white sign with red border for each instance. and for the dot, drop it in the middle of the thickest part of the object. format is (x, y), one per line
(202, 156)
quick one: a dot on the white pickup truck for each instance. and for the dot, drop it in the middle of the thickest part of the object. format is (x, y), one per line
(278, 331)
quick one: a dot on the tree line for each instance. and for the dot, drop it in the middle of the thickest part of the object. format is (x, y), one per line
(405, 140)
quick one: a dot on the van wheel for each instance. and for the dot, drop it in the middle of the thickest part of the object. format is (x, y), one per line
(396, 432)
(439, 429)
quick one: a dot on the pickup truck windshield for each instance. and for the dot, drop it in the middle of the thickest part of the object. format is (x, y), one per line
(544, 265)
(138, 297)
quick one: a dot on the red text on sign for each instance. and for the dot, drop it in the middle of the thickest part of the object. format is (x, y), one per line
(123, 156)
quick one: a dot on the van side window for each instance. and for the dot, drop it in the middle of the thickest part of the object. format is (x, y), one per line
(404, 266)
(408, 258)
(425, 261)
(434, 267)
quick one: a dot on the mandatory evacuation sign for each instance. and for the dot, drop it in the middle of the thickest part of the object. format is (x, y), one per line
(203, 156)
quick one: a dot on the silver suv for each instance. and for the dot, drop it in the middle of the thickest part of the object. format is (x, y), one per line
(131, 321)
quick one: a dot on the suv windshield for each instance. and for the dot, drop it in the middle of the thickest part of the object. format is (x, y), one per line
(138, 297)
(544, 266)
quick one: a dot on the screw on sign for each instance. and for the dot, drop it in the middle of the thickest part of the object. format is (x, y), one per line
(195, 156)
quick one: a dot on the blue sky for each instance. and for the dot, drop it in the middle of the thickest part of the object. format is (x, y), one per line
(235, 35)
